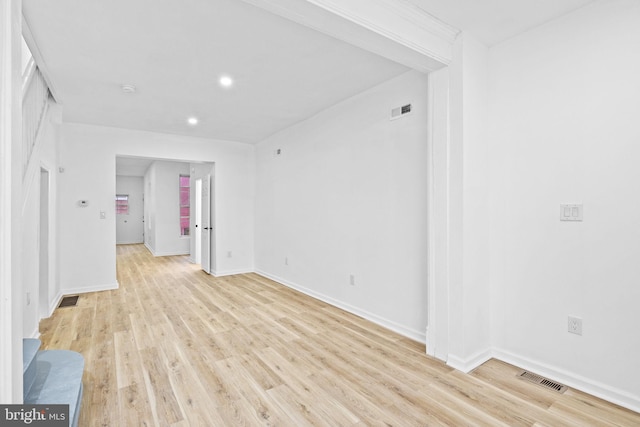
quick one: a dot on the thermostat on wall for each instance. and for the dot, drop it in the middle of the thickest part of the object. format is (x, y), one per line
(83, 203)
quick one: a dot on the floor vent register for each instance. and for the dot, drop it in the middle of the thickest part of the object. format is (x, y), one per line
(542, 381)
(70, 301)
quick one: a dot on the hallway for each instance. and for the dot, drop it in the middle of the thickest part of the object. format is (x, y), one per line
(176, 347)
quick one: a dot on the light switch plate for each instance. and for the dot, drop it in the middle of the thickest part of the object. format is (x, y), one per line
(572, 212)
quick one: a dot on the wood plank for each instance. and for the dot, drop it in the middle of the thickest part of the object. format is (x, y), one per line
(177, 347)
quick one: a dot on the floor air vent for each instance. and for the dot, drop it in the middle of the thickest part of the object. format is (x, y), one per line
(544, 382)
(69, 301)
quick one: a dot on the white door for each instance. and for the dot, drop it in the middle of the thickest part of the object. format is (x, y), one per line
(207, 226)
(198, 223)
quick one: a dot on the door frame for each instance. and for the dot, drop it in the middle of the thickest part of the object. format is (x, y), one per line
(44, 245)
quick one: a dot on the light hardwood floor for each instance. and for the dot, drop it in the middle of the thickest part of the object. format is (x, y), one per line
(176, 347)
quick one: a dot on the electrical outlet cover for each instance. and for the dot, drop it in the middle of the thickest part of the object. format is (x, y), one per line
(575, 325)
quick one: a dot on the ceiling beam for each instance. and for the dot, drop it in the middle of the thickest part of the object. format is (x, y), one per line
(396, 30)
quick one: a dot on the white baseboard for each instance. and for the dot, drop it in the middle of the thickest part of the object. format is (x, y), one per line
(87, 289)
(586, 385)
(389, 324)
(132, 242)
(230, 272)
(176, 253)
(53, 304)
(149, 248)
(470, 363)
(603, 391)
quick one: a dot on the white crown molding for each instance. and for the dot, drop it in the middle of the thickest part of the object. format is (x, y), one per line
(394, 29)
(360, 11)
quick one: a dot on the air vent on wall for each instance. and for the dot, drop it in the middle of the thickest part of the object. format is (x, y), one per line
(544, 382)
(398, 112)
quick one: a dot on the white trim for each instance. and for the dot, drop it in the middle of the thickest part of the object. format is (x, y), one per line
(178, 253)
(156, 254)
(414, 21)
(10, 200)
(594, 388)
(33, 167)
(129, 243)
(149, 248)
(430, 338)
(398, 31)
(28, 75)
(88, 289)
(389, 324)
(469, 364)
(438, 216)
(231, 272)
(578, 382)
(54, 303)
(37, 56)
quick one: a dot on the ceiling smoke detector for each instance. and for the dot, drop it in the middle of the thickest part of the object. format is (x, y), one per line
(128, 88)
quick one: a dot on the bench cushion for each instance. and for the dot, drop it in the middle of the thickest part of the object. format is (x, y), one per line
(58, 380)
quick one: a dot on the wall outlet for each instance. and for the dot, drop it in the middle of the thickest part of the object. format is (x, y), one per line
(352, 280)
(286, 260)
(229, 254)
(575, 325)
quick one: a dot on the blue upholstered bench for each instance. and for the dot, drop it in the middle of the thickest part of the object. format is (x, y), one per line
(53, 377)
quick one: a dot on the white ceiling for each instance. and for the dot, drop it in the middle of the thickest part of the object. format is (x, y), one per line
(175, 51)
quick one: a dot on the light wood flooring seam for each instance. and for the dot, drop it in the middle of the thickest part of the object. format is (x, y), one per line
(174, 346)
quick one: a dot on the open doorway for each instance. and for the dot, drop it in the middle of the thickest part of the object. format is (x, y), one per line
(129, 202)
(170, 223)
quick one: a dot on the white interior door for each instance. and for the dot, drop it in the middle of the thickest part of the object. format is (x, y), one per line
(198, 223)
(207, 226)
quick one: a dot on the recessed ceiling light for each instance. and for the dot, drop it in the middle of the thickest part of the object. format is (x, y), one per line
(226, 81)
(128, 88)
(192, 121)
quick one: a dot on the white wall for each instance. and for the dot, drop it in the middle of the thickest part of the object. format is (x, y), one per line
(44, 156)
(129, 227)
(347, 196)
(565, 128)
(164, 196)
(87, 243)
